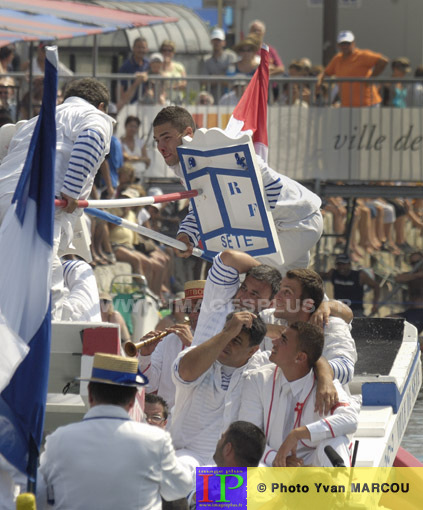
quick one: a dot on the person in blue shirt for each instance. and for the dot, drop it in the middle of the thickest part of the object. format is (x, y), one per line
(138, 65)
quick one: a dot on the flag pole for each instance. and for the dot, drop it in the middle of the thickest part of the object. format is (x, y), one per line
(133, 202)
(157, 236)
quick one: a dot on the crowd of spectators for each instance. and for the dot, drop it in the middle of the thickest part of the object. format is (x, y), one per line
(159, 78)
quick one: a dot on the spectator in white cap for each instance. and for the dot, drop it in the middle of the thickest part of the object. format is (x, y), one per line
(352, 61)
(154, 89)
(219, 61)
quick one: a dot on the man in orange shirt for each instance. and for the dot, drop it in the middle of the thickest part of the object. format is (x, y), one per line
(351, 61)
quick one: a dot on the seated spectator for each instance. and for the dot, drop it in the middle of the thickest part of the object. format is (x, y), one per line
(238, 87)
(348, 285)
(249, 60)
(26, 109)
(337, 207)
(134, 148)
(7, 54)
(205, 98)
(137, 64)
(109, 314)
(296, 434)
(417, 92)
(38, 64)
(414, 281)
(123, 243)
(7, 96)
(154, 89)
(126, 174)
(175, 89)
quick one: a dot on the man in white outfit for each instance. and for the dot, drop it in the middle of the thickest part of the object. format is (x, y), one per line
(280, 399)
(83, 133)
(209, 379)
(156, 359)
(108, 461)
(224, 292)
(295, 209)
(301, 292)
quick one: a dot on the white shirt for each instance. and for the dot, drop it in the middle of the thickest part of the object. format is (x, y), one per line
(221, 286)
(339, 348)
(267, 405)
(83, 302)
(110, 462)
(158, 367)
(203, 410)
(80, 129)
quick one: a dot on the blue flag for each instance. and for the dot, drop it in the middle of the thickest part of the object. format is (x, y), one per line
(26, 238)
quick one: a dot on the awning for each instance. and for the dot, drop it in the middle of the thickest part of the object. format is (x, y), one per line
(33, 20)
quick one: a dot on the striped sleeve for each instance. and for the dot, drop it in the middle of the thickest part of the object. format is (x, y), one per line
(189, 227)
(343, 369)
(272, 190)
(220, 274)
(86, 156)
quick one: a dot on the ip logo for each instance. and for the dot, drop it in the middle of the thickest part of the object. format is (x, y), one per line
(219, 487)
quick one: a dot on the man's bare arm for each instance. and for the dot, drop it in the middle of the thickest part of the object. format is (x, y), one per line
(199, 359)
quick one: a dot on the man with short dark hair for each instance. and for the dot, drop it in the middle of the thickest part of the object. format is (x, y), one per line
(137, 64)
(83, 133)
(224, 292)
(348, 285)
(209, 379)
(301, 293)
(280, 399)
(156, 410)
(242, 444)
(294, 208)
(108, 461)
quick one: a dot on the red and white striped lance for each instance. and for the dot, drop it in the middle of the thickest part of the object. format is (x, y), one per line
(132, 202)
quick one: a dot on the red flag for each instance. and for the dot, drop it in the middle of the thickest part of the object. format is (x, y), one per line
(250, 114)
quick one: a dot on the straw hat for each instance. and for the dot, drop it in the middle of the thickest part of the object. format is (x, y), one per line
(194, 289)
(112, 369)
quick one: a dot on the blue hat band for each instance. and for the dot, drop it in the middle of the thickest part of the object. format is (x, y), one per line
(115, 376)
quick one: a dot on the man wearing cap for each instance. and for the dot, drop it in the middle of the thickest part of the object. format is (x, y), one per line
(348, 285)
(107, 460)
(219, 61)
(156, 359)
(354, 62)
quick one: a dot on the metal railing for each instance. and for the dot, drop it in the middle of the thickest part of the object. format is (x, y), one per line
(311, 138)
